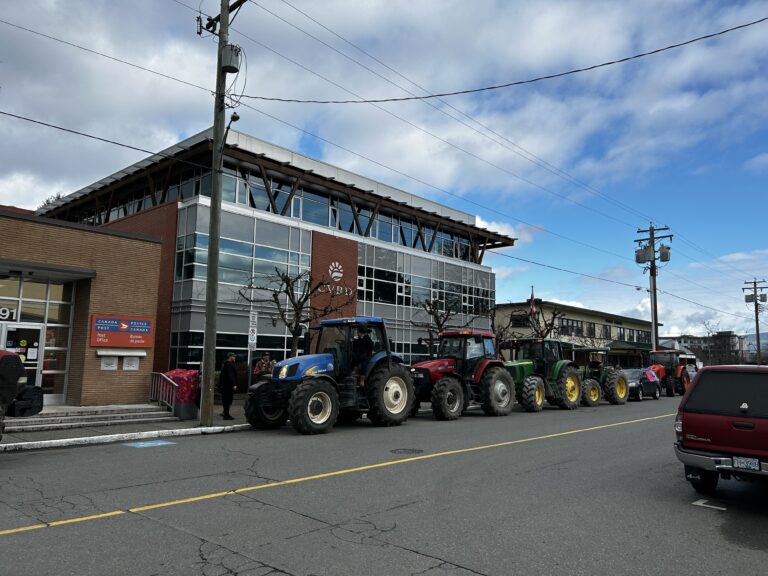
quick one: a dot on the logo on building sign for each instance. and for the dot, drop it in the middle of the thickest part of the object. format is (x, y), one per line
(336, 271)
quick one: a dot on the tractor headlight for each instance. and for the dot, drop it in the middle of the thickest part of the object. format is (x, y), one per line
(310, 370)
(283, 372)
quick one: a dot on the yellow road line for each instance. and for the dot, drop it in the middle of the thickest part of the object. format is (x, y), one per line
(327, 475)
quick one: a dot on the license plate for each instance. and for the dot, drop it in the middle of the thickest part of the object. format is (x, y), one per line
(746, 463)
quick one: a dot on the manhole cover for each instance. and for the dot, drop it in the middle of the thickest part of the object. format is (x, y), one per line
(407, 451)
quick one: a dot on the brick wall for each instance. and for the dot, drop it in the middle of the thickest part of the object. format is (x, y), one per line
(328, 250)
(158, 222)
(126, 282)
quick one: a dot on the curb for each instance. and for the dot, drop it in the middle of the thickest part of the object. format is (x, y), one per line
(113, 438)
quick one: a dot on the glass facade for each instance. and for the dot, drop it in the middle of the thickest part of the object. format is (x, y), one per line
(35, 322)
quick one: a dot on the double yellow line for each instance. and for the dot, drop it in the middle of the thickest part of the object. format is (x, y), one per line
(302, 479)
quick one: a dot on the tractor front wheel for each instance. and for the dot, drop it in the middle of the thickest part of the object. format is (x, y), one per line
(390, 395)
(590, 392)
(532, 395)
(447, 399)
(264, 417)
(313, 407)
(569, 388)
(497, 389)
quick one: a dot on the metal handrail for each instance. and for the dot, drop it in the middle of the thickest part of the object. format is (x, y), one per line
(162, 390)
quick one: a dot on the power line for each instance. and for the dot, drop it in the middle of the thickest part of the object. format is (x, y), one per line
(516, 83)
(501, 254)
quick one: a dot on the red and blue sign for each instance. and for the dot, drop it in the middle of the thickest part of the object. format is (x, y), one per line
(122, 331)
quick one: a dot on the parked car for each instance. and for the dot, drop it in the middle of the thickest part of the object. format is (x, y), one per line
(722, 426)
(642, 383)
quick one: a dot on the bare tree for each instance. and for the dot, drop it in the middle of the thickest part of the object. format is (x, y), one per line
(299, 300)
(509, 328)
(52, 199)
(545, 325)
(439, 314)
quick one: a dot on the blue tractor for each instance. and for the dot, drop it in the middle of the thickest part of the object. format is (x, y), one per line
(354, 371)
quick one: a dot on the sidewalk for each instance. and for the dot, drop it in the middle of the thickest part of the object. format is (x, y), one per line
(129, 431)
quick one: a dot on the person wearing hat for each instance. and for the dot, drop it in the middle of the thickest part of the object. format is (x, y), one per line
(227, 383)
(263, 367)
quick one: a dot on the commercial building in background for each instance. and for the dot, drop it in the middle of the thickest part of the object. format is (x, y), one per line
(388, 249)
(629, 339)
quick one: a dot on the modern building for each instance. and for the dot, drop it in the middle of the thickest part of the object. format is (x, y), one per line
(387, 249)
(629, 339)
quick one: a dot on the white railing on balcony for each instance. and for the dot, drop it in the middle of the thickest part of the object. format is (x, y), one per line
(162, 390)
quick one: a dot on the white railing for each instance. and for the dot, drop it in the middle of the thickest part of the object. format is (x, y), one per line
(162, 390)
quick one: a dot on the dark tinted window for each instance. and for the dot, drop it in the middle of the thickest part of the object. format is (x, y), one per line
(724, 392)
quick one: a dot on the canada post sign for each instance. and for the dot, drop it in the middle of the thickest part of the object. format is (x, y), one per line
(122, 331)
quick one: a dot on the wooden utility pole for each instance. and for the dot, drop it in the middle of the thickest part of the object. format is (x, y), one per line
(647, 254)
(756, 297)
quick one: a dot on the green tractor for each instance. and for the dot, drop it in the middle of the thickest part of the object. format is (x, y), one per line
(541, 373)
(599, 379)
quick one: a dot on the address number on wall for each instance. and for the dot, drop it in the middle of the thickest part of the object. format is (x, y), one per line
(7, 314)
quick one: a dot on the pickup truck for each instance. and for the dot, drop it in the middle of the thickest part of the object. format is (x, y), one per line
(722, 426)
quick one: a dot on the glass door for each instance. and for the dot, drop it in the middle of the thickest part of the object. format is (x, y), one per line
(26, 342)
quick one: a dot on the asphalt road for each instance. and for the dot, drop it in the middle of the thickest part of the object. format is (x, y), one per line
(594, 491)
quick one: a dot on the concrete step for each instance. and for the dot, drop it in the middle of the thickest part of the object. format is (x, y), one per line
(66, 411)
(23, 424)
(85, 418)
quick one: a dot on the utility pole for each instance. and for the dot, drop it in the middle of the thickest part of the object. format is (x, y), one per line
(756, 298)
(212, 278)
(646, 254)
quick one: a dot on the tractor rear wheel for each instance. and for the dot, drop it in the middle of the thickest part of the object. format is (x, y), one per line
(390, 395)
(569, 388)
(532, 395)
(616, 389)
(590, 392)
(264, 417)
(669, 386)
(497, 392)
(447, 399)
(313, 407)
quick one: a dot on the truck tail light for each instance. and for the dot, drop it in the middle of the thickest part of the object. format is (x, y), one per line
(679, 426)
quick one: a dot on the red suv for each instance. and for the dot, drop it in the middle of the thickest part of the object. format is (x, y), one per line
(722, 426)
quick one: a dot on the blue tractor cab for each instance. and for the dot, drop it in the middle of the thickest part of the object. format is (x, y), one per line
(353, 371)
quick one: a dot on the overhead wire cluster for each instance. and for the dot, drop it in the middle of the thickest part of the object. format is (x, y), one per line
(522, 152)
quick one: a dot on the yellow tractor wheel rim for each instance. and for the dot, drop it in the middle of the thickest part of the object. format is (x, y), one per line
(621, 388)
(594, 393)
(539, 396)
(571, 389)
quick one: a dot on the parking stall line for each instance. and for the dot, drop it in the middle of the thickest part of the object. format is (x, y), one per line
(335, 473)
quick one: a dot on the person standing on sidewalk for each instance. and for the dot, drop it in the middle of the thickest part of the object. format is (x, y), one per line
(227, 383)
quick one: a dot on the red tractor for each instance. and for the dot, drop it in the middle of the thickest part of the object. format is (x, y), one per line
(671, 371)
(467, 369)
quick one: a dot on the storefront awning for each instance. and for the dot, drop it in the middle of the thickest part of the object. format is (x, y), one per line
(41, 271)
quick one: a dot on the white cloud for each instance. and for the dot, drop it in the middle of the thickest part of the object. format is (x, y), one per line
(757, 164)
(575, 303)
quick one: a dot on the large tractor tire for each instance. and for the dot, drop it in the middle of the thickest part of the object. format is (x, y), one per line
(390, 395)
(532, 394)
(447, 399)
(313, 407)
(263, 417)
(616, 389)
(569, 387)
(2, 421)
(669, 386)
(497, 392)
(590, 392)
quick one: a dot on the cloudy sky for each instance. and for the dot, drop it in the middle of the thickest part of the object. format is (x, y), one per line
(572, 167)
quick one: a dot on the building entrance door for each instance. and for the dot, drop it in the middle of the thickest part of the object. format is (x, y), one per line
(27, 343)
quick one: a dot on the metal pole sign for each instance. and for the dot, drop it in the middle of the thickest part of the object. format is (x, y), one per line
(252, 330)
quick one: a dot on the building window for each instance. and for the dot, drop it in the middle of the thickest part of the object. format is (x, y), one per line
(620, 334)
(570, 327)
(590, 330)
(606, 332)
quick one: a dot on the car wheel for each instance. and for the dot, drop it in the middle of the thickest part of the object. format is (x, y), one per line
(703, 481)
(639, 394)
(657, 392)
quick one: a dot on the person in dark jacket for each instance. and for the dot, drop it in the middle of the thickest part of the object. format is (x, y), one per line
(227, 383)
